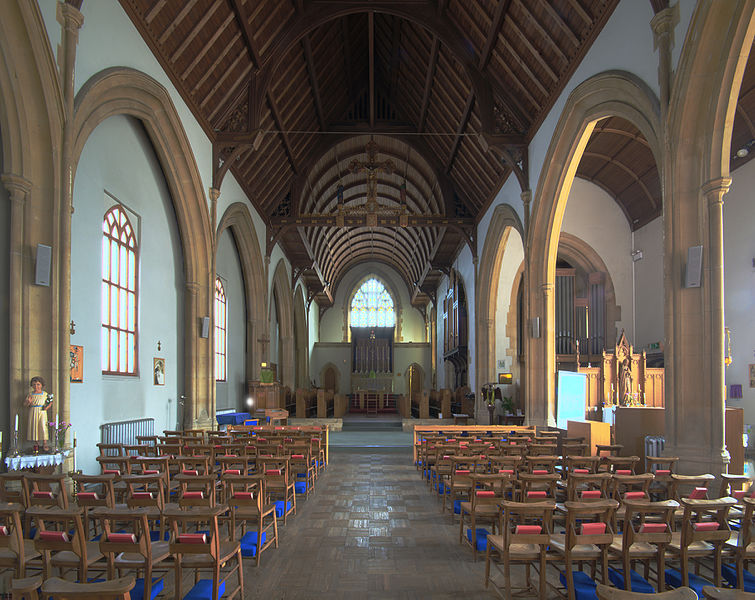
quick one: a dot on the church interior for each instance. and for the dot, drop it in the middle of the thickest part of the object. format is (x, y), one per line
(389, 288)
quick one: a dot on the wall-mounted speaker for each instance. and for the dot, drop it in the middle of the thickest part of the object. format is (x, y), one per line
(43, 260)
(205, 330)
(693, 274)
(535, 326)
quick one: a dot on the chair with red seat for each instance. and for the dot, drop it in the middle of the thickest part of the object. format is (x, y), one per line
(245, 496)
(525, 535)
(279, 485)
(94, 491)
(488, 491)
(197, 551)
(48, 490)
(16, 553)
(741, 547)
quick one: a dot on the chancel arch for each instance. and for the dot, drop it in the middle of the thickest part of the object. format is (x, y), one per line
(608, 94)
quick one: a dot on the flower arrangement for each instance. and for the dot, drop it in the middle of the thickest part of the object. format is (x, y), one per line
(59, 429)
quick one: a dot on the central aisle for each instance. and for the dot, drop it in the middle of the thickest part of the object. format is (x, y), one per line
(371, 530)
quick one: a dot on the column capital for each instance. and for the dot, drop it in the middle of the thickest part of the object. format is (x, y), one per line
(192, 287)
(70, 17)
(18, 187)
(715, 189)
(547, 288)
(526, 196)
(214, 194)
(663, 22)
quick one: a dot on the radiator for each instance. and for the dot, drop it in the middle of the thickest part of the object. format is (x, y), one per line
(653, 447)
(125, 432)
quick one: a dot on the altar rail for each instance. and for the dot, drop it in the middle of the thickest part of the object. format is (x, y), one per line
(420, 430)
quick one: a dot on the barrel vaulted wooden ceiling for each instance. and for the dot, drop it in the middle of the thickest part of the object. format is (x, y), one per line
(436, 100)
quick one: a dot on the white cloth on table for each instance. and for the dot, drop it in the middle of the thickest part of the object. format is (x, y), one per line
(16, 463)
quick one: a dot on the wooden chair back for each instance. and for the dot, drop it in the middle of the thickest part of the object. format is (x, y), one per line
(14, 488)
(595, 484)
(114, 589)
(48, 490)
(610, 593)
(12, 538)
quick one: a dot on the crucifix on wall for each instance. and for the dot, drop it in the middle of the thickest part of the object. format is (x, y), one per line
(372, 167)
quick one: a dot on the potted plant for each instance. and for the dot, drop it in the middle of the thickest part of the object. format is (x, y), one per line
(508, 405)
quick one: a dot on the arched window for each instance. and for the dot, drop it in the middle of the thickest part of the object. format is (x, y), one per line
(221, 329)
(372, 306)
(119, 294)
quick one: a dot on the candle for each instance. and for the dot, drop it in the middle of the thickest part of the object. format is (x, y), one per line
(16, 427)
(73, 434)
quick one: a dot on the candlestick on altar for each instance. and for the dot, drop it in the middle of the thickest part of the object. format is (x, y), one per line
(16, 427)
(74, 451)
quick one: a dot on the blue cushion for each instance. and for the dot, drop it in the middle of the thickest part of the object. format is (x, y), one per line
(202, 590)
(137, 593)
(155, 535)
(730, 574)
(674, 579)
(640, 585)
(300, 487)
(584, 586)
(457, 507)
(279, 510)
(249, 543)
(482, 538)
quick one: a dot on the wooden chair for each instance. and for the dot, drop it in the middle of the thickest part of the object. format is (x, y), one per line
(94, 491)
(741, 546)
(48, 490)
(196, 490)
(245, 495)
(704, 531)
(279, 484)
(621, 465)
(608, 593)
(662, 467)
(537, 488)
(16, 553)
(200, 551)
(133, 550)
(14, 488)
(646, 533)
(116, 589)
(587, 538)
(58, 547)
(524, 539)
(302, 470)
(714, 593)
(148, 493)
(488, 491)
(459, 489)
(587, 487)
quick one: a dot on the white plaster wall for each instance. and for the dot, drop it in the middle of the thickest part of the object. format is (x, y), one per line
(119, 158)
(337, 353)
(466, 269)
(513, 255)
(594, 217)
(412, 322)
(4, 308)
(649, 295)
(739, 284)
(626, 43)
(231, 192)
(230, 393)
(510, 194)
(313, 323)
(406, 354)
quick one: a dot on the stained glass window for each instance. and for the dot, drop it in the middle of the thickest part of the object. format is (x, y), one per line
(221, 328)
(372, 306)
(119, 295)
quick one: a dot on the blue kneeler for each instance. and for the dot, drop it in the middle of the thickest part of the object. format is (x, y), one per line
(640, 585)
(249, 545)
(300, 487)
(674, 579)
(482, 538)
(584, 586)
(137, 593)
(730, 575)
(279, 508)
(202, 590)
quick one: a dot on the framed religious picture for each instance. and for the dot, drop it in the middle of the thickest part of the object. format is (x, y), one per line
(158, 370)
(77, 364)
(752, 376)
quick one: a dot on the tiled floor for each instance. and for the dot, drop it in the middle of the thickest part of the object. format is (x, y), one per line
(371, 530)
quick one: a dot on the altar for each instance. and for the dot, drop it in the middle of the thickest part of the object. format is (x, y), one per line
(379, 382)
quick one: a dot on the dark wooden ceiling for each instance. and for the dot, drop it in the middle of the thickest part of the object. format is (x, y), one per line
(743, 132)
(291, 91)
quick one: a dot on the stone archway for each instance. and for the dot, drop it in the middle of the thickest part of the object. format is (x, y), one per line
(301, 341)
(281, 290)
(701, 116)
(330, 377)
(124, 91)
(611, 93)
(504, 220)
(238, 219)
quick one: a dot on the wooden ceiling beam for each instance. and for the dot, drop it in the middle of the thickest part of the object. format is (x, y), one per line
(154, 11)
(313, 80)
(429, 78)
(541, 30)
(210, 43)
(325, 284)
(495, 29)
(194, 32)
(395, 52)
(361, 220)
(560, 22)
(371, 66)
(460, 130)
(177, 21)
(628, 170)
(580, 10)
(534, 52)
(246, 31)
(347, 60)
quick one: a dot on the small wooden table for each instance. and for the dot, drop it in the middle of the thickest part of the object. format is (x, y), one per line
(460, 419)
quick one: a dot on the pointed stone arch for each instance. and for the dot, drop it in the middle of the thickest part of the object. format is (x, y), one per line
(124, 91)
(238, 220)
(505, 218)
(301, 340)
(281, 291)
(611, 93)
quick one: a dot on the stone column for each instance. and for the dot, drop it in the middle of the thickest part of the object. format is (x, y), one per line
(191, 333)
(662, 25)
(540, 394)
(19, 190)
(71, 20)
(526, 196)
